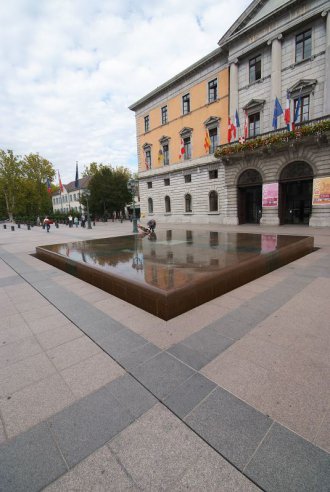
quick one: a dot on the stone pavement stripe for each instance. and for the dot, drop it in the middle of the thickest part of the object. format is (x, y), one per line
(162, 374)
(189, 394)
(192, 357)
(12, 280)
(285, 461)
(122, 343)
(88, 424)
(139, 355)
(231, 426)
(30, 461)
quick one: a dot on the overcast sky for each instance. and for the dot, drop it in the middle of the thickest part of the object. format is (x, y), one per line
(69, 69)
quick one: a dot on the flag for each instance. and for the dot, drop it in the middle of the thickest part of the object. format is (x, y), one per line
(277, 112)
(182, 150)
(296, 113)
(246, 125)
(160, 156)
(237, 123)
(147, 163)
(60, 182)
(231, 130)
(287, 116)
(76, 183)
(207, 141)
(48, 186)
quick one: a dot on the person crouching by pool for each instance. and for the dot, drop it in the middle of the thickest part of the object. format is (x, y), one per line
(151, 225)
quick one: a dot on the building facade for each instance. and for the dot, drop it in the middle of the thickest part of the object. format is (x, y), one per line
(68, 200)
(277, 51)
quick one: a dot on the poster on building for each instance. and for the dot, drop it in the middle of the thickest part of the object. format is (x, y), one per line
(321, 191)
(270, 195)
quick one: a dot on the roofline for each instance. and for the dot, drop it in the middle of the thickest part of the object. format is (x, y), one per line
(231, 35)
(203, 61)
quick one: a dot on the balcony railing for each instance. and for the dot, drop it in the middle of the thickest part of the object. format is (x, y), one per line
(318, 127)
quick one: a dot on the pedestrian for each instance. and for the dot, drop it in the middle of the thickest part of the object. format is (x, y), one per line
(70, 219)
(76, 221)
(38, 221)
(46, 223)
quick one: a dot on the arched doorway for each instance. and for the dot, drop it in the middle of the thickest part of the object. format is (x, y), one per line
(249, 197)
(295, 193)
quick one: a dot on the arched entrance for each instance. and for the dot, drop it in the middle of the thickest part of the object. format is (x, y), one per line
(295, 193)
(249, 197)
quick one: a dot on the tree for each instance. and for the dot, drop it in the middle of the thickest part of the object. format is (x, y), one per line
(37, 170)
(11, 178)
(108, 189)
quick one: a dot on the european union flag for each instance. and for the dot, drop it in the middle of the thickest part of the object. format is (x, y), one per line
(277, 112)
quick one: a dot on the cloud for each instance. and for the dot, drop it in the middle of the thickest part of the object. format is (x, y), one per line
(69, 69)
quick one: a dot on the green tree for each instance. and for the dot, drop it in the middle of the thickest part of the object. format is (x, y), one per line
(11, 179)
(108, 189)
(37, 170)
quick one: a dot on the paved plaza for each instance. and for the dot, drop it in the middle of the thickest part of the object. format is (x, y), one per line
(96, 394)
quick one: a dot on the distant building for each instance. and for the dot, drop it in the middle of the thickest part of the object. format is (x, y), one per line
(69, 199)
(277, 51)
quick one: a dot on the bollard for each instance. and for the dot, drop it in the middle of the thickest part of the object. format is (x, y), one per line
(4, 226)
(28, 227)
(18, 226)
(12, 228)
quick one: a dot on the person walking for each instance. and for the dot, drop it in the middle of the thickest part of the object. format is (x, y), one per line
(46, 223)
(76, 221)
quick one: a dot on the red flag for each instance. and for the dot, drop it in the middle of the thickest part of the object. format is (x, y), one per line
(60, 182)
(231, 130)
(246, 125)
(182, 151)
(207, 141)
(48, 186)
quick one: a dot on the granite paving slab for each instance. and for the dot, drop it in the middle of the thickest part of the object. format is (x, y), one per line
(285, 461)
(232, 427)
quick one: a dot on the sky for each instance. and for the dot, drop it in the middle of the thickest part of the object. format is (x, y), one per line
(69, 70)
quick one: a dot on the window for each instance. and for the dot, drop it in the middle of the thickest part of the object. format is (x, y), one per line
(213, 201)
(187, 178)
(167, 182)
(187, 148)
(303, 109)
(166, 157)
(164, 115)
(186, 104)
(150, 206)
(212, 90)
(168, 235)
(149, 183)
(146, 123)
(213, 133)
(303, 45)
(254, 124)
(187, 200)
(213, 174)
(148, 158)
(74, 197)
(167, 204)
(255, 69)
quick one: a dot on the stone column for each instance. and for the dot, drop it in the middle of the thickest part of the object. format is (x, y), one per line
(326, 104)
(276, 87)
(233, 92)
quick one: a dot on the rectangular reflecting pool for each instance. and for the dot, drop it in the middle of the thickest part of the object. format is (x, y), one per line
(177, 270)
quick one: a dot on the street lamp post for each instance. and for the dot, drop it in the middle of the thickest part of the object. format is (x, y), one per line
(87, 194)
(132, 187)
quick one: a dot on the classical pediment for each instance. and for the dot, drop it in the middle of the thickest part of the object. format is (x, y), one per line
(254, 105)
(146, 145)
(303, 86)
(186, 131)
(257, 12)
(212, 121)
(164, 139)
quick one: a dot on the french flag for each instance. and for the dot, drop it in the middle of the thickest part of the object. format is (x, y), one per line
(287, 115)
